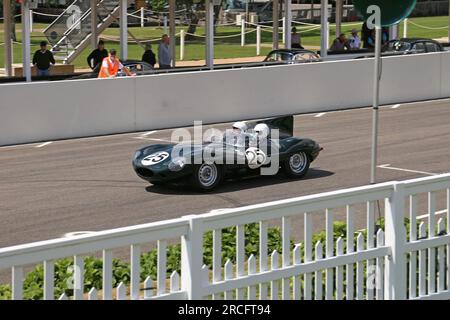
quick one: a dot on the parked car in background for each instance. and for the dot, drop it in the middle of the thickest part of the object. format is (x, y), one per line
(292, 56)
(411, 46)
(135, 66)
(408, 46)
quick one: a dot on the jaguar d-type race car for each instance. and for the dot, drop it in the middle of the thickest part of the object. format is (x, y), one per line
(250, 149)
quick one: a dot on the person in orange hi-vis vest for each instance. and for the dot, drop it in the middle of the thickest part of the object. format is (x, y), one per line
(111, 66)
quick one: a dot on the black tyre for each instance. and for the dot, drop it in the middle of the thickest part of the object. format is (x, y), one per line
(296, 165)
(206, 176)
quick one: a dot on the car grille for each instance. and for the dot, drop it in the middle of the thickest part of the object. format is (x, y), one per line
(144, 172)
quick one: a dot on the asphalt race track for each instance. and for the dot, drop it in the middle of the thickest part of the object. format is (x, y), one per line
(51, 189)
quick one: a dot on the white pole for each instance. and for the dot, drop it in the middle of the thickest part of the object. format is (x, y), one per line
(8, 40)
(26, 63)
(182, 35)
(287, 24)
(123, 30)
(405, 28)
(376, 101)
(142, 17)
(284, 30)
(393, 32)
(165, 24)
(31, 20)
(243, 32)
(324, 32)
(172, 31)
(209, 34)
(12, 55)
(258, 40)
(94, 24)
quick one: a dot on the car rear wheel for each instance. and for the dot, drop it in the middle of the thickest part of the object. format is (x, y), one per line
(206, 176)
(296, 165)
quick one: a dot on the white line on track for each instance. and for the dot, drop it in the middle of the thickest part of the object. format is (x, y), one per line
(148, 133)
(388, 166)
(44, 144)
(424, 216)
(320, 115)
(395, 106)
(153, 139)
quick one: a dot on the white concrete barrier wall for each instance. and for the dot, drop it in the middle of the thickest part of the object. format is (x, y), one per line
(67, 109)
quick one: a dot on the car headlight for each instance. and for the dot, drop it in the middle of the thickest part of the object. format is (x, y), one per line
(137, 154)
(177, 164)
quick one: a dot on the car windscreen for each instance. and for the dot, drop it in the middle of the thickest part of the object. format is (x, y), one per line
(305, 56)
(280, 56)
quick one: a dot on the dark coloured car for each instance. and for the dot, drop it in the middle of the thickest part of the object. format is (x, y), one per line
(234, 157)
(292, 56)
(137, 67)
(411, 46)
(408, 46)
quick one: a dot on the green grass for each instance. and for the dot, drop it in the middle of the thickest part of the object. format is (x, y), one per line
(224, 48)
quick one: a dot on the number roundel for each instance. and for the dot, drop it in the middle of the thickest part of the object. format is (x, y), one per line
(255, 157)
(155, 158)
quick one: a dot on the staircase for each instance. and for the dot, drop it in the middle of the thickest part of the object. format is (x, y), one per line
(70, 33)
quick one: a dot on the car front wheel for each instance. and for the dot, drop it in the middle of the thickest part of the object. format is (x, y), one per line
(206, 176)
(296, 165)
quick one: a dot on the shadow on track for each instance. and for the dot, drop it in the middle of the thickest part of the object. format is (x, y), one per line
(237, 185)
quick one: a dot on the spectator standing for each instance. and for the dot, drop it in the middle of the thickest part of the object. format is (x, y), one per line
(164, 54)
(96, 57)
(295, 39)
(111, 65)
(340, 43)
(149, 55)
(385, 35)
(355, 41)
(371, 38)
(365, 34)
(42, 59)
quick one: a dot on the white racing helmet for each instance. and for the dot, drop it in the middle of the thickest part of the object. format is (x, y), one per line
(262, 130)
(240, 125)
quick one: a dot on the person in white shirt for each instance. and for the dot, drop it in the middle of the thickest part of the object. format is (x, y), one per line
(164, 53)
(355, 40)
(295, 39)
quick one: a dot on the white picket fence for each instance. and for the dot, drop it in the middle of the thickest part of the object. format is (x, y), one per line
(384, 264)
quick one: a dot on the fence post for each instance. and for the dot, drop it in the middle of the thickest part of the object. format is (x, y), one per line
(192, 259)
(165, 24)
(182, 35)
(142, 17)
(405, 28)
(31, 20)
(395, 239)
(243, 32)
(258, 40)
